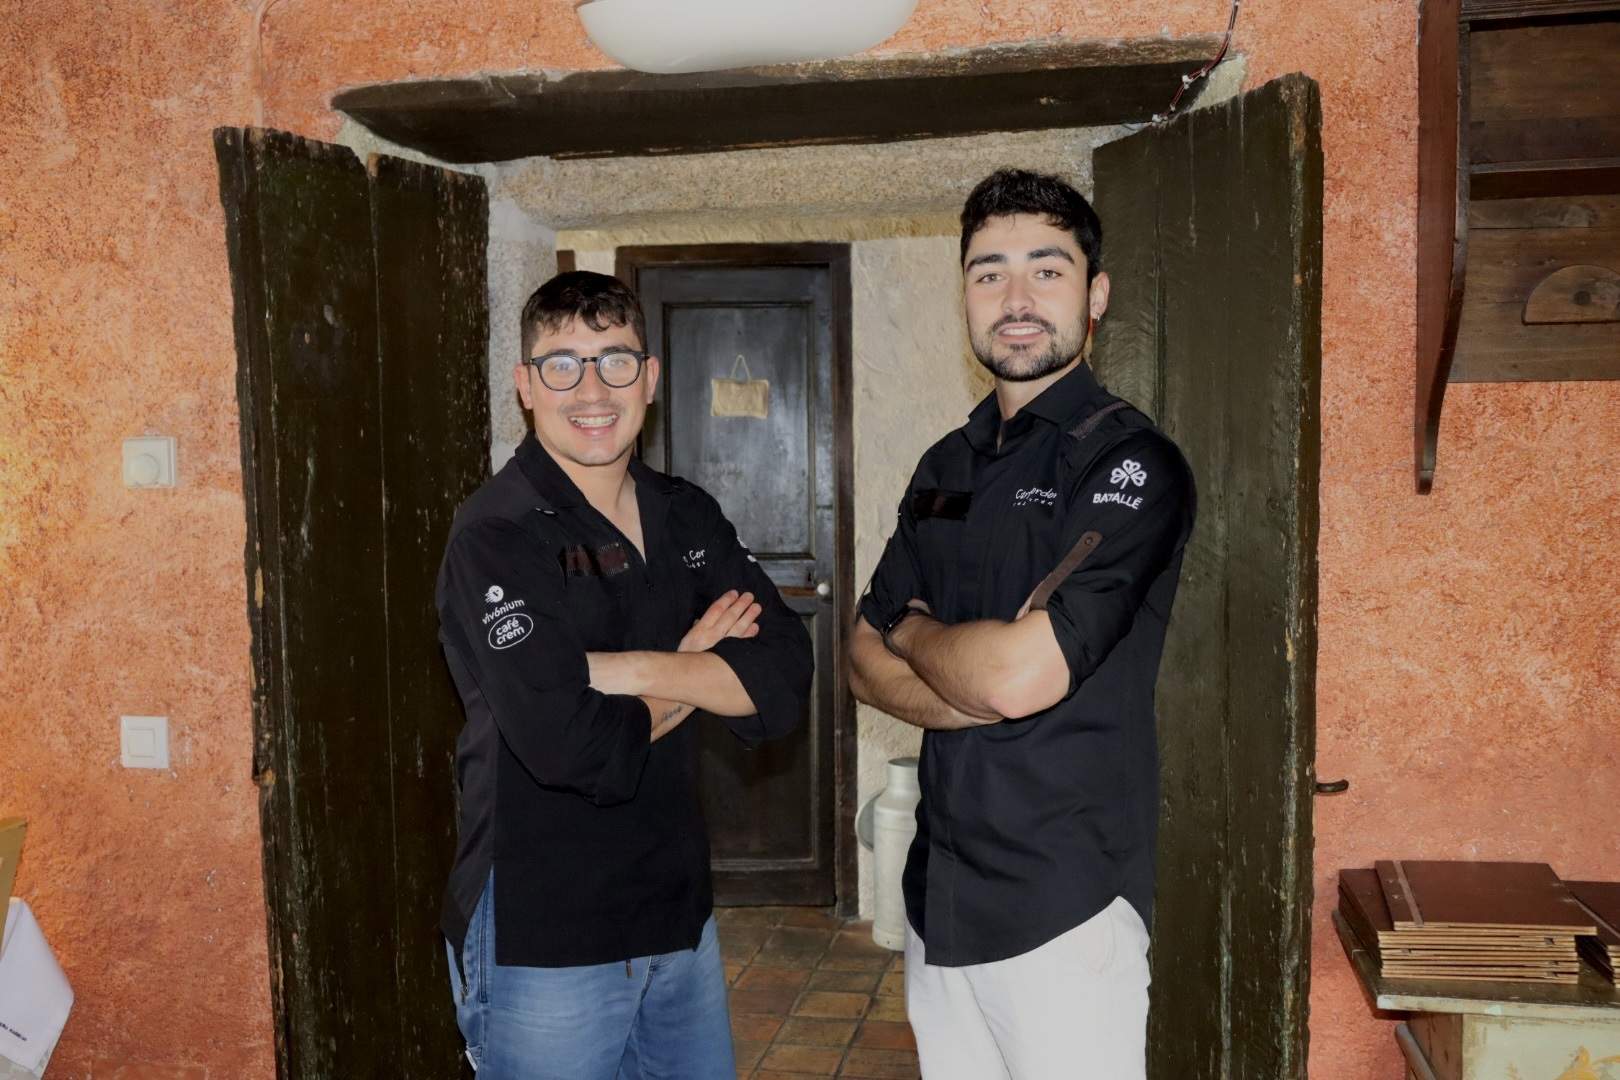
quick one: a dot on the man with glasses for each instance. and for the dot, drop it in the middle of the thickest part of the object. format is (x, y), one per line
(588, 605)
(1018, 616)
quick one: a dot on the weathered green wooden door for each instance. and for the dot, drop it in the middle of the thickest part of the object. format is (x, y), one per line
(362, 331)
(1213, 239)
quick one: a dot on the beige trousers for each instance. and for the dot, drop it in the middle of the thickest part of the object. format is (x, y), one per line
(1072, 1009)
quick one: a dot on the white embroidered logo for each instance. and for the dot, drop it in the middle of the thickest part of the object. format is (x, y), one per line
(696, 560)
(493, 594)
(1034, 496)
(1128, 472)
(510, 630)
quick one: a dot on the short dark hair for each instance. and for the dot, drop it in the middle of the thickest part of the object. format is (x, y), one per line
(1019, 191)
(597, 300)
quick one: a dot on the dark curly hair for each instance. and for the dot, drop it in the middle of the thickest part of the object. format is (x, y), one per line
(597, 300)
(1019, 191)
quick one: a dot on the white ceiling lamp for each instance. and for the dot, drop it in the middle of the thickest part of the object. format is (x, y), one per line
(673, 36)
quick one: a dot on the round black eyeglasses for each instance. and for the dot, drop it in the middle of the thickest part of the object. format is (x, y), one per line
(617, 368)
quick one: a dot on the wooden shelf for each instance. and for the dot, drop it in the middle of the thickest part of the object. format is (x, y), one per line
(1518, 109)
(1544, 179)
(1482, 11)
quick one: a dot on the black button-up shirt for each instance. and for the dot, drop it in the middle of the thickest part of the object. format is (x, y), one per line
(1029, 827)
(594, 834)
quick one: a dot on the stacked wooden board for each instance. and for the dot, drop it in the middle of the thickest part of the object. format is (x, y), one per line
(1471, 921)
(1601, 901)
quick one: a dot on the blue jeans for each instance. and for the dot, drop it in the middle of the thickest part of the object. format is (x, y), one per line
(654, 1018)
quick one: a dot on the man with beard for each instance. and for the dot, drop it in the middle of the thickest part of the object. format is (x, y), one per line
(1017, 616)
(587, 604)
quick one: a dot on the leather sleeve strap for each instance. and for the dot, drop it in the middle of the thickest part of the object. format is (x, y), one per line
(1071, 562)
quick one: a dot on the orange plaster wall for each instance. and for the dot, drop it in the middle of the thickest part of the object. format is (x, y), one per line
(1469, 640)
(115, 320)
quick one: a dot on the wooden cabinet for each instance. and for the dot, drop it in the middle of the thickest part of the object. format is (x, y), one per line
(1518, 198)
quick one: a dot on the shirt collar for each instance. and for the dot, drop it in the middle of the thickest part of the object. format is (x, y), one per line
(1064, 403)
(554, 487)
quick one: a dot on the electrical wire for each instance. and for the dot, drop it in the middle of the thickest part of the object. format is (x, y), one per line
(1187, 81)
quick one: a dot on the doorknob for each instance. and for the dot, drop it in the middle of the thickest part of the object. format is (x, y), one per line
(823, 589)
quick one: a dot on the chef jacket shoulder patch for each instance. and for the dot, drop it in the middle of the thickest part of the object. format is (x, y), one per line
(508, 624)
(510, 630)
(1127, 476)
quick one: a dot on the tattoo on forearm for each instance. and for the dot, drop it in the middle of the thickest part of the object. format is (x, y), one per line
(670, 714)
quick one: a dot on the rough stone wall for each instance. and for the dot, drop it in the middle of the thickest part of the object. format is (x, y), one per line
(915, 380)
(115, 320)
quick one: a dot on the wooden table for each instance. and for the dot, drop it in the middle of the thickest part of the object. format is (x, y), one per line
(1500, 1031)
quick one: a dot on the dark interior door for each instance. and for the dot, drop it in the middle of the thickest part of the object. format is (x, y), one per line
(362, 335)
(773, 812)
(1214, 226)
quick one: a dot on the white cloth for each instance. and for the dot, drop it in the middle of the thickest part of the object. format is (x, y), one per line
(1072, 1009)
(35, 997)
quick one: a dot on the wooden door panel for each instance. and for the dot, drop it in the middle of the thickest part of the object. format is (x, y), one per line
(774, 509)
(323, 720)
(788, 861)
(1214, 234)
(772, 812)
(430, 229)
(353, 459)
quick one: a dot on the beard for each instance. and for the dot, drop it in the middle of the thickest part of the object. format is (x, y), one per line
(1022, 363)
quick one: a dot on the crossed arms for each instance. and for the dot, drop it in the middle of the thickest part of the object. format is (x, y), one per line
(943, 677)
(673, 684)
(585, 722)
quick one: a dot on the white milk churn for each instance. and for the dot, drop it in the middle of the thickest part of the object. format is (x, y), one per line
(894, 823)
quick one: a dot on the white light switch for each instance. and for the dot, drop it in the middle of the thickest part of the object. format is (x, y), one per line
(149, 462)
(144, 741)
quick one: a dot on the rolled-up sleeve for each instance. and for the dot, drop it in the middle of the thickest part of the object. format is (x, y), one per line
(501, 612)
(777, 665)
(898, 578)
(1131, 514)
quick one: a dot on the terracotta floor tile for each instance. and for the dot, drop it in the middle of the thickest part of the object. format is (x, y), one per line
(836, 961)
(832, 1005)
(753, 1027)
(783, 977)
(748, 1054)
(804, 1031)
(126, 1071)
(886, 1035)
(763, 1002)
(815, 1060)
(812, 996)
(790, 959)
(855, 982)
(859, 941)
(881, 1065)
(815, 918)
(748, 916)
(800, 938)
(751, 935)
(887, 1008)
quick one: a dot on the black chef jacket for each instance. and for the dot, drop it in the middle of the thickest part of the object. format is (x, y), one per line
(595, 835)
(1029, 827)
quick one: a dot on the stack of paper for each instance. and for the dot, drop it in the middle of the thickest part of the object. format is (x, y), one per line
(1475, 921)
